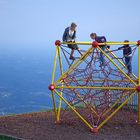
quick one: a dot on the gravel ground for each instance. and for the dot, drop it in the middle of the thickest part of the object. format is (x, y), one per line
(41, 126)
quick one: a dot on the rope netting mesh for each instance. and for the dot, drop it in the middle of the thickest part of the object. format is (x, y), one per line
(95, 104)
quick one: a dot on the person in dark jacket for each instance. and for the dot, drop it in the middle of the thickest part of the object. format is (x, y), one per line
(70, 36)
(100, 39)
(127, 52)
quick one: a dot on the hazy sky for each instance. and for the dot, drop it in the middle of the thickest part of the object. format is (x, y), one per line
(43, 21)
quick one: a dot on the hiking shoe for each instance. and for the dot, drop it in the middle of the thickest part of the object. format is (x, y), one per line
(72, 58)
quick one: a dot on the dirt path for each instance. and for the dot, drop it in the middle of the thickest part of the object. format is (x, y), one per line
(40, 126)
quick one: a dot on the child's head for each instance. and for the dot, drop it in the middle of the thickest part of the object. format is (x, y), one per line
(73, 26)
(126, 41)
(93, 35)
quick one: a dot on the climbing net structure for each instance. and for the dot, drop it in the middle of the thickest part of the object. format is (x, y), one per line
(93, 92)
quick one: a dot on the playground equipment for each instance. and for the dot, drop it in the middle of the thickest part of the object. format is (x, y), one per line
(94, 93)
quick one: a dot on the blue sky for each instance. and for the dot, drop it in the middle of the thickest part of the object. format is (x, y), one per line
(43, 21)
(29, 28)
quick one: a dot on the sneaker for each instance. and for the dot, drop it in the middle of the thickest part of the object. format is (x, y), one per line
(72, 58)
(102, 65)
(130, 74)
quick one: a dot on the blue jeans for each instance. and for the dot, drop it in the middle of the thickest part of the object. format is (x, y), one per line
(128, 60)
(102, 55)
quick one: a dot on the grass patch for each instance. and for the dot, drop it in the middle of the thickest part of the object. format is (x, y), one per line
(3, 137)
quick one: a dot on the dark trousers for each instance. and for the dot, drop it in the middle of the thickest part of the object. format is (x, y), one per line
(73, 46)
(102, 59)
(128, 60)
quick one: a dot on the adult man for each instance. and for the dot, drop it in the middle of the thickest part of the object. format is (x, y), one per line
(70, 36)
(100, 39)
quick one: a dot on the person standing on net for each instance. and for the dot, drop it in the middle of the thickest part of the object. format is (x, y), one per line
(70, 36)
(100, 39)
(127, 54)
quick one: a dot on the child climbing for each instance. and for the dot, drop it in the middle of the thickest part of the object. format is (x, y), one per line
(70, 36)
(127, 51)
(100, 39)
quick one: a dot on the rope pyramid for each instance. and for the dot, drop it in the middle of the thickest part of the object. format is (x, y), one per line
(95, 93)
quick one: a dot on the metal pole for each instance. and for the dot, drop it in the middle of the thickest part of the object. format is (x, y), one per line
(109, 117)
(76, 64)
(53, 74)
(121, 63)
(95, 87)
(117, 67)
(139, 84)
(60, 100)
(78, 114)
